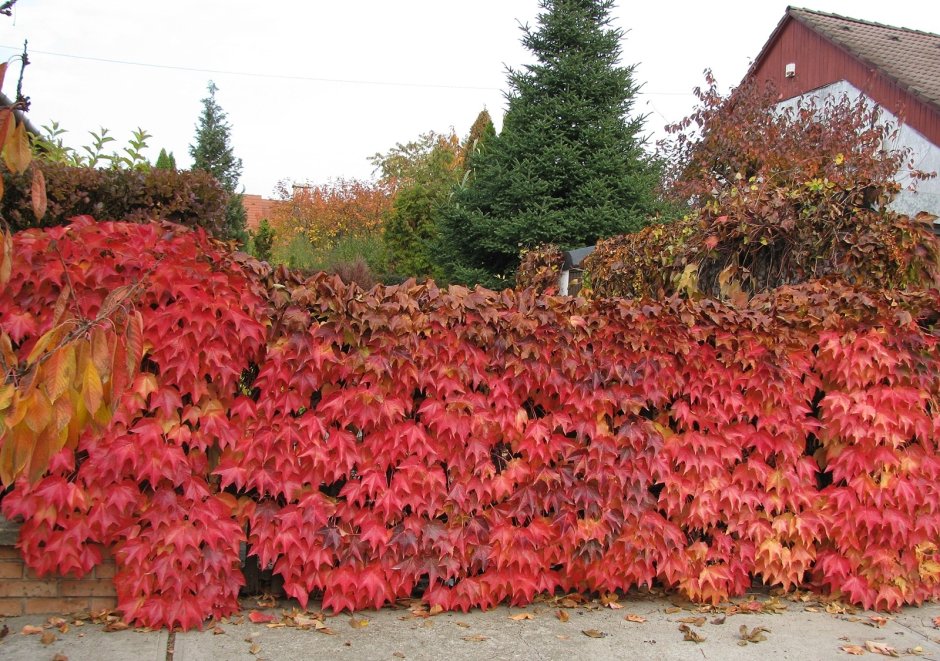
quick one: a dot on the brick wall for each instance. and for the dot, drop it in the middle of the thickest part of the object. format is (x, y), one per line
(23, 593)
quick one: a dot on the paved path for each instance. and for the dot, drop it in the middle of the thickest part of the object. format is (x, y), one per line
(794, 630)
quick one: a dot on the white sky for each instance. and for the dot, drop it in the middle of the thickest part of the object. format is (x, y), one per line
(414, 66)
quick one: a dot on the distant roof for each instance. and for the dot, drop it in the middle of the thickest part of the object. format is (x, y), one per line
(909, 57)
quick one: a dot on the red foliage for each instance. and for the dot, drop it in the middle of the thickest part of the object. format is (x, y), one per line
(497, 445)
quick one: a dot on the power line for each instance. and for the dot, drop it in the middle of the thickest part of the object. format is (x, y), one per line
(224, 72)
(310, 79)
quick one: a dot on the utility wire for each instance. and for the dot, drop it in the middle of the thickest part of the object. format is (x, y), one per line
(311, 79)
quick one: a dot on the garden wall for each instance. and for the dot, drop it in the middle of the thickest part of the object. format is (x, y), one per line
(22, 592)
(480, 446)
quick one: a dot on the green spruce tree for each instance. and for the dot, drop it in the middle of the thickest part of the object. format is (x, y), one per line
(262, 241)
(212, 152)
(569, 165)
(165, 161)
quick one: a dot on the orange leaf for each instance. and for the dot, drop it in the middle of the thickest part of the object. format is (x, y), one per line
(16, 152)
(38, 194)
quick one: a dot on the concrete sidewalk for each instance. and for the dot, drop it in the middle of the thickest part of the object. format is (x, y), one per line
(792, 629)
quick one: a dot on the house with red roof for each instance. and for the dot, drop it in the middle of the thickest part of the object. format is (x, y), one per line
(812, 53)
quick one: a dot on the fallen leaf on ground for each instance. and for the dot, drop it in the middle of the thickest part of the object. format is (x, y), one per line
(915, 651)
(476, 638)
(436, 609)
(254, 649)
(877, 621)
(60, 657)
(48, 638)
(116, 625)
(562, 636)
(690, 634)
(465, 625)
(563, 615)
(697, 621)
(880, 648)
(30, 630)
(260, 618)
(856, 650)
(358, 624)
(521, 616)
(754, 635)
(217, 630)
(399, 655)
(593, 633)
(720, 620)
(611, 600)
(266, 601)
(4, 632)
(936, 621)
(633, 617)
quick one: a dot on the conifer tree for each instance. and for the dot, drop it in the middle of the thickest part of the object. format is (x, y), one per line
(568, 166)
(165, 161)
(212, 152)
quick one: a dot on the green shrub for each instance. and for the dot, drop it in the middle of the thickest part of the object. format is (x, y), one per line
(300, 253)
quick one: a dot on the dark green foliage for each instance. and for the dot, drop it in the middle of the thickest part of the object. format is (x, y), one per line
(569, 165)
(165, 161)
(412, 228)
(212, 152)
(262, 241)
(194, 199)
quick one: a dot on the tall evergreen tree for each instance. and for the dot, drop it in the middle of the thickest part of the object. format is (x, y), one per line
(212, 152)
(568, 166)
(165, 161)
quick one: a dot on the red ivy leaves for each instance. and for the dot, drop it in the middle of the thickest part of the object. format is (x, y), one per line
(489, 445)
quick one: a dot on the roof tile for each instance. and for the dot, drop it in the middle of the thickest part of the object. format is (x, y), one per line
(910, 57)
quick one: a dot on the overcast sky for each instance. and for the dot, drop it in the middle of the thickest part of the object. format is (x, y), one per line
(313, 88)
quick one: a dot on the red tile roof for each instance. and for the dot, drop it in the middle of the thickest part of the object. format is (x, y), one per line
(257, 208)
(909, 57)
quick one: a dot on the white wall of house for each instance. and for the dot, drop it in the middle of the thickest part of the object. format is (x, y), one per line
(924, 154)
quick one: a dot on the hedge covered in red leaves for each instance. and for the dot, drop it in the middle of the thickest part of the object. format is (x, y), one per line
(496, 445)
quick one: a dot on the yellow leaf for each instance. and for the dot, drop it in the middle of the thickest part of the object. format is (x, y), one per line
(38, 411)
(92, 392)
(6, 396)
(49, 339)
(688, 281)
(6, 257)
(16, 152)
(839, 159)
